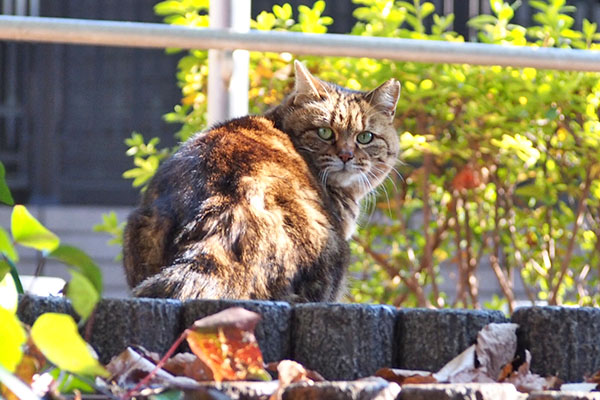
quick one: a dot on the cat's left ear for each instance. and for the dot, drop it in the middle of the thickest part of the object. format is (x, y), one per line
(385, 97)
(308, 88)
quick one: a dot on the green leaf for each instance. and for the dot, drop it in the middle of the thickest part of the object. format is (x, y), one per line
(6, 246)
(9, 297)
(13, 338)
(29, 232)
(78, 259)
(57, 338)
(68, 383)
(83, 294)
(5, 196)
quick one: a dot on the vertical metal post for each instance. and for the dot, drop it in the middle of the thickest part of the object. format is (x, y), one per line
(228, 70)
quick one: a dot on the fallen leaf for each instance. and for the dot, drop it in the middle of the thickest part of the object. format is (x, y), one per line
(496, 347)
(403, 376)
(465, 361)
(130, 367)
(188, 364)
(225, 342)
(289, 372)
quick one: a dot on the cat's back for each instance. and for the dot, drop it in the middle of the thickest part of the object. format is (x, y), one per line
(241, 192)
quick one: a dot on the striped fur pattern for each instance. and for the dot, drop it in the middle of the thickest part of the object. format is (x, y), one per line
(261, 207)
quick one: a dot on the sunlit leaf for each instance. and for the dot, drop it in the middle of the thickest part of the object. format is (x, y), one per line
(13, 338)
(29, 232)
(225, 342)
(57, 338)
(6, 246)
(9, 296)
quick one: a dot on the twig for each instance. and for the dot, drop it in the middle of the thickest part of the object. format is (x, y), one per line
(461, 287)
(411, 283)
(495, 258)
(159, 365)
(471, 266)
(578, 221)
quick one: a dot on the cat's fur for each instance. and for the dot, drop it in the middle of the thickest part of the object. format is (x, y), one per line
(260, 207)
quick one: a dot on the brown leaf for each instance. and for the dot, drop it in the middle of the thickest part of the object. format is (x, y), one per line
(129, 368)
(188, 364)
(465, 361)
(403, 376)
(225, 342)
(526, 381)
(496, 347)
(289, 372)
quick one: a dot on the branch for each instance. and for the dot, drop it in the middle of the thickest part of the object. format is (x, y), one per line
(578, 221)
(411, 283)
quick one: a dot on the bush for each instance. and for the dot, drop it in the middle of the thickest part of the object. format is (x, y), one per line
(499, 165)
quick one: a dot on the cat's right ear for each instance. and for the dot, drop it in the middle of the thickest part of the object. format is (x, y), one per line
(308, 88)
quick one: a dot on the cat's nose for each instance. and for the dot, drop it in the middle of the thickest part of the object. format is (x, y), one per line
(346, 155)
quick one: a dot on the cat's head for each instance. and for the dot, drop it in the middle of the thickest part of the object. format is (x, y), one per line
(348, 135)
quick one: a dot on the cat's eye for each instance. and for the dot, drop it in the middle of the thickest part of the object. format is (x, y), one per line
(364, 137)
(325, 133)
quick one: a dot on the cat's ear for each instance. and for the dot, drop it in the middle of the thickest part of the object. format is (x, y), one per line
(307, 86)
(385, 97)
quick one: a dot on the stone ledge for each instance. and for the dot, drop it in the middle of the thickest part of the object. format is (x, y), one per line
(347, 341)
(562, 341)
(427, 339)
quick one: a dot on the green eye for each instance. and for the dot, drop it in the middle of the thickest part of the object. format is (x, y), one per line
(325, 133)
(364, 137)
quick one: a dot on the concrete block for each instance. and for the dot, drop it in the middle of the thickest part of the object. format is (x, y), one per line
(31, 307)
(154, 324)
(562, 341)
(464, 391)
(427, 339)
(363, 389)
(343, 341)
(272, 332)
(236, 391)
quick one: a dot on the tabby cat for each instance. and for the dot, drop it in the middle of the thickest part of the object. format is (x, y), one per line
(261, 207)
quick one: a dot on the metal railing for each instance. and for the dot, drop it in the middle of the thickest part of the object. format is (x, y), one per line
(139, 34)
(225, 38)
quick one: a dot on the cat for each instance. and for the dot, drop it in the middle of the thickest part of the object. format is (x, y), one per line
(262, 207)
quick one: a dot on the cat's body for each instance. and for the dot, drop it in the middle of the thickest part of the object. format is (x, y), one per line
(261, 207)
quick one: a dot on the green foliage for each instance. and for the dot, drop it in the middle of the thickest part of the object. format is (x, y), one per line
(56, 335)
(500, 165)
(57, 338)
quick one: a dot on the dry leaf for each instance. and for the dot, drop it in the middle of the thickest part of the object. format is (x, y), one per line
(403, 376)
(130, 367)
(465, 361)
(289, 372)
(188, 364)
(496, 347)
(225, 342)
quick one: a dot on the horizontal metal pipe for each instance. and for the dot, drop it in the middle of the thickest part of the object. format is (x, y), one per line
(140, 34)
